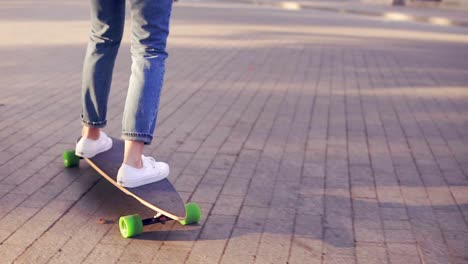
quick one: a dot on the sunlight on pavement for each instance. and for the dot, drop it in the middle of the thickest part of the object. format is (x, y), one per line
(51, 33)
(440, 92)
(421, 200)
(291, 5)
(397, 16)
(441, 21)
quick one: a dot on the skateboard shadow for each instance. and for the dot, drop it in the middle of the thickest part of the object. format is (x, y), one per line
(335, 221)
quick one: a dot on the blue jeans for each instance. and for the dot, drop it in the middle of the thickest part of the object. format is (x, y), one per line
(150, 29)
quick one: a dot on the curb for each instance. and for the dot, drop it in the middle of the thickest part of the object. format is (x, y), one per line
(394, 16)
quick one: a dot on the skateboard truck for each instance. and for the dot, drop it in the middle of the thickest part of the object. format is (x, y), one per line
(158, 218)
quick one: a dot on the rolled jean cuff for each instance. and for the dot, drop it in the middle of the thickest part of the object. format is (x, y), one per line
(135, 136)
(99, 124)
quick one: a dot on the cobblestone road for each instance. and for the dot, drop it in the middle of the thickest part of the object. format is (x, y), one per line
(307, 137)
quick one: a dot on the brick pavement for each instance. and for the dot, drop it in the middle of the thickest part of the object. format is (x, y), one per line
(306, 137)
(431, 12)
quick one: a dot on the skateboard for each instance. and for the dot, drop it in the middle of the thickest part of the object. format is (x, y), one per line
(159, 196)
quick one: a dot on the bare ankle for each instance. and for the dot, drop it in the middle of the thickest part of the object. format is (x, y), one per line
(91, 133)
(132, 153)
(134, 163)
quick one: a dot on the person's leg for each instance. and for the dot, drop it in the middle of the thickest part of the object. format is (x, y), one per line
(107, 23)
(132, 153)
(150, 29)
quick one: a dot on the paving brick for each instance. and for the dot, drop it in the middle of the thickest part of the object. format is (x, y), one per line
(218, 136)
(242, 246)
(18, 161)
(197, 166)
(223, 162)
(206, 192)
(187, 182)
(10, 252)
(229, 258)
(273, 248)
(104, 253)
(391, 213)
(5, 188)
(311, 187)
(252, 218)
(245, 164)
(339, 241)
(403, 252)
(390, 196)
(235, 186)
(215, 176)
(306, 244)
(371, 235)
(14, 220)
(399, 236)
(206, 252)
(217, 228)
(60, 232)
(37, 180)
(227, 205)
(230, 148)
(456, 242)
(338, 259)
(50, 190)
(38, 224)
(371, 253)
(136, 251)
(338, 221)
(77, 188)
(206, 153)
(260, 191)
(430, 243)
(363, 223)
(76, 251)
(305, 250)
(317, 154)
(367, 192)
(450, 218)
(179, 160)
(313, 170)
(9, 201)
(285, 195)
(172, 254)
(311, 205)
(36, 253)
(396, 225)
(291, 167)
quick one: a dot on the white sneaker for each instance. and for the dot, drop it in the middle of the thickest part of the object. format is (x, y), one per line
(88, 148)
(152, 171)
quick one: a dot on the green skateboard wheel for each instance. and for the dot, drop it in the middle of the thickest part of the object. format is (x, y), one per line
(193, 214)
(70, 159)
(130, 225)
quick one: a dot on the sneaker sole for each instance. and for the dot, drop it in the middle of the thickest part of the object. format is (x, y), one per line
(138, 183)
(83, 155)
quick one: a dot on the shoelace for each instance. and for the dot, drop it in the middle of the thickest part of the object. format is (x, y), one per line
(153, 161)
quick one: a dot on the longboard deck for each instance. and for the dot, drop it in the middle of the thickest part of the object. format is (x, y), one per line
(159, 196)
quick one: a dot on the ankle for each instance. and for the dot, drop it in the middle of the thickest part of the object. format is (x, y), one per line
(135, 163)
(133, 154)
(91, 133)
